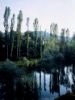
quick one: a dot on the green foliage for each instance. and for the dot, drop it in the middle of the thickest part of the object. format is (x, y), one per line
(9, 65)
(6, 26)
(53, 52)
(12, 35)
(36, 25)
(6, 16)
(58, 52)
(19, 23)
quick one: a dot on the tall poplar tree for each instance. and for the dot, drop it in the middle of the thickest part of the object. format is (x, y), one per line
(36, 25)
(40, 43)
(19, 23)
(6, 26)
(12, 35)
(27, 24)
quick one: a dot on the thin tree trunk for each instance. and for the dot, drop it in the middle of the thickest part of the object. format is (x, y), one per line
(12, 46)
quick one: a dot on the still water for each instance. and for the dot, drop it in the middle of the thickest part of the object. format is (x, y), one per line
(36, 85)
(54, 84)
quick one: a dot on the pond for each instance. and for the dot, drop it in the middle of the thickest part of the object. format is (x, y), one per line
(56, 83)
(36, 85)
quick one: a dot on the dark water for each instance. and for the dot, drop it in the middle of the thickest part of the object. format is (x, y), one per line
(17, 87)
(54, 84)
(37, 85)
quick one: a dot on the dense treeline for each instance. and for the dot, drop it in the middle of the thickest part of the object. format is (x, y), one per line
(60, 51)
(15, 44)
(52, 49)
(27, 49)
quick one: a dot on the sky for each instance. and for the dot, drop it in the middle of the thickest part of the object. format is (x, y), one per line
(61, 12)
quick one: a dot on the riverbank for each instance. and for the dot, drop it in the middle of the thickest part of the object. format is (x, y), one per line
(27, 62)
(24, 62)
(13, 76)
(67, 96)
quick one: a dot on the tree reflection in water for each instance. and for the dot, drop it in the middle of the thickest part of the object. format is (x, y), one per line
(59, 82)
(44, 81)
(17, 84)
(55, 82)
(29, 86)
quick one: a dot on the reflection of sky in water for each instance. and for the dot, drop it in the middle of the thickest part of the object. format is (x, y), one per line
(68, 72)
(64, 88)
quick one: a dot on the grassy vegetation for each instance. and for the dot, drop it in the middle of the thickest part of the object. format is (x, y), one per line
(24, 62)
(27, 63)
(25, 82)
